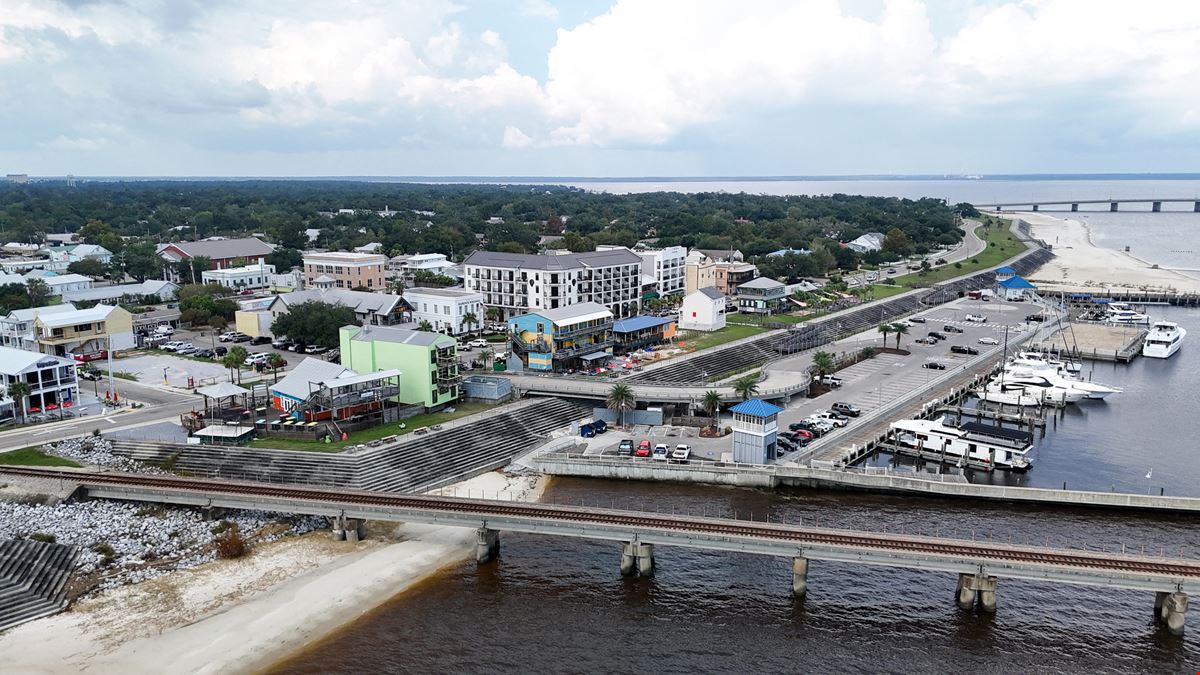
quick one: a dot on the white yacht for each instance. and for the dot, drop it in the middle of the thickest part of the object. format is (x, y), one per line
(1059, 376)
(1042, 358)
(1164, 339)
(1122, 314)
(971, 443)
(1050, 387)
(1008, 394)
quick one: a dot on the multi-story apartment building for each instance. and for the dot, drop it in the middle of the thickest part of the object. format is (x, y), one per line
(667, 266)
(51, 379)
(248, 277)
(446, 309)
(339, 269)
(519, 283)
(733, 274)
(700, 271)
(761, 296)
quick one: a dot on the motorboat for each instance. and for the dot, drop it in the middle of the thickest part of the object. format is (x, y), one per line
(1008, 394)
(1051, 387)
(1031, 358)
(974, 444)
(1122, 314)
(1059, 377)
(1164, 339)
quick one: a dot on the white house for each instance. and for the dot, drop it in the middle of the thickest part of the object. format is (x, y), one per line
(149, 291)
(871, 241)
(51, 379)
(703, 309)
(444, 308)
(65, 283)
(253, 276)
(16, 329)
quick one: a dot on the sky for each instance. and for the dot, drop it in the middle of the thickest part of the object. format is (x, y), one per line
(598, 88)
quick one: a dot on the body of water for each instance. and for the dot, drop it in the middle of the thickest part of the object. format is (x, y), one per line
(561, 605)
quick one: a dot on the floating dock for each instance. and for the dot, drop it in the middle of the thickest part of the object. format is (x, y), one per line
(1096, 342)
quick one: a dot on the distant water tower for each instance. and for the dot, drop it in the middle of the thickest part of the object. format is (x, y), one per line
(70, 180)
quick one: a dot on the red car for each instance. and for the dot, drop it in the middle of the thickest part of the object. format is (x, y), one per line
(643, 449)
(804, 433)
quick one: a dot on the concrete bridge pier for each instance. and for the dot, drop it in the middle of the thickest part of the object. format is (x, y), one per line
(487, 544)
(1074, 207)
(799, 576)
(348, 529)
(1196, 207)
(976, 588)
(1112, 206)
(1171, 609)
(1156, 206)
(637, 557)
(1035, 207)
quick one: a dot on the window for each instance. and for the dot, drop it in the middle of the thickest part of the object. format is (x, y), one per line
(447, 310)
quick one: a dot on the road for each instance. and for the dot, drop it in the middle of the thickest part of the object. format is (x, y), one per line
(970, 246)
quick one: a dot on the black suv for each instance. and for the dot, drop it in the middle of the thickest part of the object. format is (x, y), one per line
(936, 335)
(960, 349)
(952, 329)
(1038, 318)
(933, 365)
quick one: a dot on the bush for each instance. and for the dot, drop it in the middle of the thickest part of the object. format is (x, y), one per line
(104, 549)
(222, 526)
(43, 537)
(230, 543)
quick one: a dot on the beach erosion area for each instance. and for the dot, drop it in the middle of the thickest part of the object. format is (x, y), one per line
(1079, 265)
(246, 614)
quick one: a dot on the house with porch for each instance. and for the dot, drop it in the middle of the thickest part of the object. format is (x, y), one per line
(567, 338)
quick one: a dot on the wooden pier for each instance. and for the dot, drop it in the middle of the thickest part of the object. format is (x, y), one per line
(1095, 342)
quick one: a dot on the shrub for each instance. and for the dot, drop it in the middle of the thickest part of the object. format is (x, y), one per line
(96, 432)
(43, 537)
(222, 526)
(103, 548)
(230, 543)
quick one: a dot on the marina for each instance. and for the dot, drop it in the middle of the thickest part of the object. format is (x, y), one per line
(1096, 341)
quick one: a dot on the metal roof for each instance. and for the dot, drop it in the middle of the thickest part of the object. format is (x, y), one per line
(765, 283)
(360, 301)
(401, 336)
(221, 249)
(295, 384)
(559, 262)
(636, 323)
(17, 361)
(63, 319)
(1016, 282)
(756, 408)
(581, 311)
(712, 293)
(1005, 270)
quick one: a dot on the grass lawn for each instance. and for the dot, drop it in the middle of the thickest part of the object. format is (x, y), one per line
(374, 433)
(33, 456)
(729, 333)
(1001, 245)
(886, 291)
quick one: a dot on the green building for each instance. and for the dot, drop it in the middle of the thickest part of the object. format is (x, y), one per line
(428, 362)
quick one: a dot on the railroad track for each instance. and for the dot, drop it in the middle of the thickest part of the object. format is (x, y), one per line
(713, 527)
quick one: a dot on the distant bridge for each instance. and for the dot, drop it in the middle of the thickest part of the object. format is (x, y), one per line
(978, 563)
(1113, 204)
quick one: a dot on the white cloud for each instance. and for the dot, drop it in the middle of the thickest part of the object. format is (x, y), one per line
(77, 144)
(515, 139)
(539, 8)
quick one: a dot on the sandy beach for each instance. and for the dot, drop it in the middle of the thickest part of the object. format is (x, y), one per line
(1080, 265)
(244, 615)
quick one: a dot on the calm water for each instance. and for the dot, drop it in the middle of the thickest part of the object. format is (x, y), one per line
(558, 605)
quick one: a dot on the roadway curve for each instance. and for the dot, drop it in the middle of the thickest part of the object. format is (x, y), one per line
(782, 533)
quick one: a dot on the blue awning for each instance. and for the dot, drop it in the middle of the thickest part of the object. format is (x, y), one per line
(636, 323)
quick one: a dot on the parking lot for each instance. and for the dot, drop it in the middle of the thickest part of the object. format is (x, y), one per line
(149, 368)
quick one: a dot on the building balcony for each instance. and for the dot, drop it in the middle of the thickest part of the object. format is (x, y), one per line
(583, 349)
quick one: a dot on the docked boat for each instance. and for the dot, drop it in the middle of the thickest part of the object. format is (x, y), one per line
(1050, 387)
(973, 444)
(1121, 314)
(1008, 394)
(1032, 358)
(1058, 376)
(1164, 339)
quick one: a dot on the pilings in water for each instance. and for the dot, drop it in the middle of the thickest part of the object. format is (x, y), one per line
(1171, 610)
(348, 529)
(976, 589)
(487, 544)
(637, 557)
(799, 576)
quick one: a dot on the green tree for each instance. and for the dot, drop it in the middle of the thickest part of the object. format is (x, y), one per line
(824, 362)
(93, 231)
(88, 267)
(900, 330)
(234, 360)
(18, 391)
(885, 330)
(190, 270)
(275, 362)
(486, 355)
(141, 261)
(315, 323)
(746, 386)
(471, 320)
(896, 241)
(712, 404)
(13, 296)
(425, 326)
(621, 400)
(39, 292)
(493, 313)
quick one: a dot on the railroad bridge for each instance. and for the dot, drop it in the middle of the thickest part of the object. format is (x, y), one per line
(1113, 204)
(979, 564)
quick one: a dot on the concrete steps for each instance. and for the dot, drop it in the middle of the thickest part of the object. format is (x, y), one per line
(33, 580)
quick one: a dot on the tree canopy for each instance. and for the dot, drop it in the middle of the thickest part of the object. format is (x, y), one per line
(314, 323)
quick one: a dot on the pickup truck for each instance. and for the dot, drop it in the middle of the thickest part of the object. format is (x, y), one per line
(976, 318)
(831, 381)
(661, 452)
(681, 453)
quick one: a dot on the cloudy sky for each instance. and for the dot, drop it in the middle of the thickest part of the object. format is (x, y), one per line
(598, 88)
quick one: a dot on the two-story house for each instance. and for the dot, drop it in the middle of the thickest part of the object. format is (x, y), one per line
(578, 336)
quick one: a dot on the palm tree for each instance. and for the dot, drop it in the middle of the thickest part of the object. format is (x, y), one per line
(620, 399)
(486, 355)
(824, 363)
(233, 361)
(885, 330)
(712, 403)
(425, 326)
(493, 313)
(746, 385)
(471, 320)
(275, 362)
(900, 330)
(19, 391)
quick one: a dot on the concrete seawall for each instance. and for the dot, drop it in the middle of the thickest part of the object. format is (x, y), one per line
(771, 476)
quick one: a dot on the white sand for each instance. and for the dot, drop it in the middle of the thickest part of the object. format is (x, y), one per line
(1080, 265)
(244, 615)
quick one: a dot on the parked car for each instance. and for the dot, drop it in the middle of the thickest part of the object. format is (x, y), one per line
(205, 354)
(478, 343)
(917, 319)
(804, 433)
(844, 408)
(260, 340)
(600, 426)
(643, 449)
(1036, 318)
(297, 347)
(681, 453)
(661, 451)
(976, 318)
(241, 337)
(185, 348)
(164, 329)
(988, 341)
(587, 430)
(316, 349)
(831, 381)
(171, 346)
(933, 365)
(227, 336)
(333, 355)
(625, 447)
(92, 375)
(961, 349)
(256, 358)
(786, 444)
(221, 351)
(936, 335)
(281, 343)
(835, 420)
(952, 329)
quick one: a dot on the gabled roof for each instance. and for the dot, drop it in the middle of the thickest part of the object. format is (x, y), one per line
(30, 313)
(63, 319)
(562, 261)
(296, 384)
(756, 408)
(1005, 270)
(222, 249)
(1016, 283)
(765, 283)
(401, 336)
(711, 292)
(15, 361)
(362, 302)
(147, 287)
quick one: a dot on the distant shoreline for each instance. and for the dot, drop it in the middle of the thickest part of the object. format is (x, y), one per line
(644, 179)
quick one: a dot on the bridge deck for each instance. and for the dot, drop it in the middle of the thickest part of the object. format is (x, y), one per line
(923, 552)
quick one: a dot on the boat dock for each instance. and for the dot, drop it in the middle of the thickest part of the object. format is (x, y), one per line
(1095, 341)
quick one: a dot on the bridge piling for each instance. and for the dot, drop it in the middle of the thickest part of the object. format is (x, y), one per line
(1112, 206)
(799, 576)
(637, 557)
(487, 545)
(1156, 206)
(1171, 609)
(1074, 207)
(976, 589)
